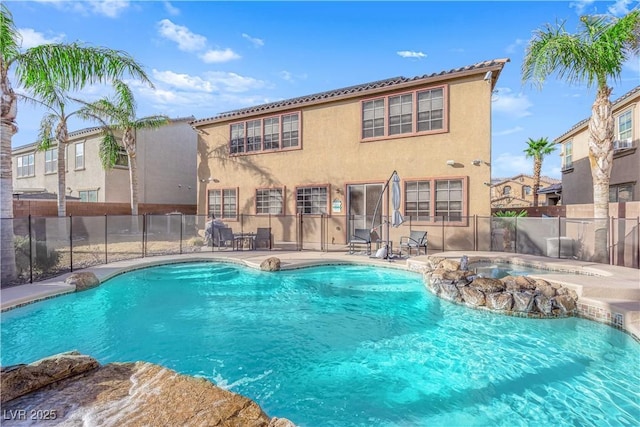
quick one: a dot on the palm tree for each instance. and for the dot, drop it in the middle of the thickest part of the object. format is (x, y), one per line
(592, 56)
(538, 149)
(119, 115)
(49, 73)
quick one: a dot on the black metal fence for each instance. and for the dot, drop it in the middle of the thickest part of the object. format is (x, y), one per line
(49, 246)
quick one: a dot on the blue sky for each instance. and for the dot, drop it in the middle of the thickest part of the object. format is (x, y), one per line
(208, 57)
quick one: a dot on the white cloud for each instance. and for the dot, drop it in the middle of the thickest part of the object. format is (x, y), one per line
(216, 56)
(233, 82)
(171, 9)
(186, 40)
(255, 41)
(510, 104)
(183, 81)
(31, 38)
(581, 5)
(620, 7)
(515, 46)
(507, 164)
(109, 8)
(214, 81)
(508, 131)
(411, 54)
(290, 77)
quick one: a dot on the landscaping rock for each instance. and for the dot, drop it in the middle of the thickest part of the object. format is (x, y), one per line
(565, 303)
(499, 301)
(472, 296)
(523, 301)
(83, 280)
(487, 285)
(543, 304)
(270, 264)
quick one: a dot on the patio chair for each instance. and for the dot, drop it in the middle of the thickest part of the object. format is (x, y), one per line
(262, 237)
(362, 237)
(416, 240)
(226, 238)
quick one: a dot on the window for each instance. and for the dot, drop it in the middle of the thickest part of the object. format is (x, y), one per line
(506, 190)
(269, 201)
(621, 193)
(417, 203)
(567, 158)
(373, 118)
(271, 133)
(223, 203)
(311, 200)
(415, 112)
(51, 160)
(26, 165)
(80, 155)
(526, 191)
(88, 195)
(624, 129)
(439, 199)
(122, 159)
(449, 199)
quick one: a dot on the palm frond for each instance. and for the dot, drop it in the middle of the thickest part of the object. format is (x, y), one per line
(152, 122)
(45, 133)
(10, 38)
(109, 149)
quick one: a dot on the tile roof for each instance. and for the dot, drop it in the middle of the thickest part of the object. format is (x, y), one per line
(554, 188)
(584, 122)
(354, 90)
(547, 179)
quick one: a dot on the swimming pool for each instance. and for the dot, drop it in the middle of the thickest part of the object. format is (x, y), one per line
(342, 346)
(498, 270)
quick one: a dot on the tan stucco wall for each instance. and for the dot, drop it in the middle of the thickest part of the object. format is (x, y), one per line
(332, 153)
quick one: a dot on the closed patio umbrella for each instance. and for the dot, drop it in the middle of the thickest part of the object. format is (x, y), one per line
(395, 200)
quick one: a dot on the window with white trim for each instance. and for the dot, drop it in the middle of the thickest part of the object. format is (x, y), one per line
(312, 200)
(526, 190)
(223, 203)
(26, 165)
(51, 160)
(449, 199)
(506, 190)
(624, 130)
(567, 155)
(417, 200)
(406, 113)
(271, 133)
(88, 195)
(269, 201)
(80, 155)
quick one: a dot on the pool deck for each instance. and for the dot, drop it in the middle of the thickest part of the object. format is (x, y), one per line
(607, 293)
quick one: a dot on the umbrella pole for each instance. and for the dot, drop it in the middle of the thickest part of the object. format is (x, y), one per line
(375, 211)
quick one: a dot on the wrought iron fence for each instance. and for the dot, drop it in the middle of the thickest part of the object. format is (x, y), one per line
(49, 246)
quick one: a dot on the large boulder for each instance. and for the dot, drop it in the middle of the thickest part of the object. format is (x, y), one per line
(545, 288)
(19, 380)
(523, 301)
(502, 301)
(83, 280)
(544, 304)
(565, 303)
(270, 264)
(487, 284)
(450, 292)
(472, 297)
(449, 264)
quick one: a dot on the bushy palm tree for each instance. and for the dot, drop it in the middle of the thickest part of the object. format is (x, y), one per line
(593, 56)
(538, 149)
(48, 73)
(118, 115)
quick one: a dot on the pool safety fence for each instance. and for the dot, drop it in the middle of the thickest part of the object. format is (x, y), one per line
(44, 247)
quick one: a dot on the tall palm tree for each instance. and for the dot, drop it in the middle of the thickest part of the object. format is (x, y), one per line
(593, 56)
(119, 116)
(48, 73)
(538, 149)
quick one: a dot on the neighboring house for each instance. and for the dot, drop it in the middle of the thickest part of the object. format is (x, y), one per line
(577, 184)
(331, 153)
(166, 168)
(517, 191)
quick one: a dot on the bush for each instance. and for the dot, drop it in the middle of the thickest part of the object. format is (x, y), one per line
(43, 259)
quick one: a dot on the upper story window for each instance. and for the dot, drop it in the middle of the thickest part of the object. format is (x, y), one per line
(414, 112)
(567, 155)
(80, 155)
(223, 203)
(440, 199)
(26, 165)
(269, 201)
(271, 133)
(312, 200)
(506, 190)
(122, 158)
(526, 190)
(624, 131)
(51, 160)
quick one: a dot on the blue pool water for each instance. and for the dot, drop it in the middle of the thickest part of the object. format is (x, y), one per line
(343, 346)
(498, 270)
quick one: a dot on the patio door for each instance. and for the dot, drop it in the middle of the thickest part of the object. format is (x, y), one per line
(361, 204)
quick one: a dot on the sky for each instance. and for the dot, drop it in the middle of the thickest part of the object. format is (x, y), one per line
(208, 57)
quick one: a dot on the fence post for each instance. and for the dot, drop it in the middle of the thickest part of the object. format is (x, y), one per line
(181, 225)
(442, 233)
(610, 238)
(71, 243)
(270, 234)
(144, 235)
(559, 237)
(30, 253)
(475, 232)
(106, 260)
(515, 238)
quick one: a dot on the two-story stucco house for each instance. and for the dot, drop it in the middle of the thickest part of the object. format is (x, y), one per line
(517, 191)
(331, 154)
(166, 167)
(577, 183)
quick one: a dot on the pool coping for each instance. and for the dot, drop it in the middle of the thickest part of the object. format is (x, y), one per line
(608, 294)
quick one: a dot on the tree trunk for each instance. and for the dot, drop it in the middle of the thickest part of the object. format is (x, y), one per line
(62, 136)
(9, 110)
(537, 169)
(601, 132)
(129, 143)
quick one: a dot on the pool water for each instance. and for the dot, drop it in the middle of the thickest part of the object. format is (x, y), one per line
(502, 269)
(342, 346)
